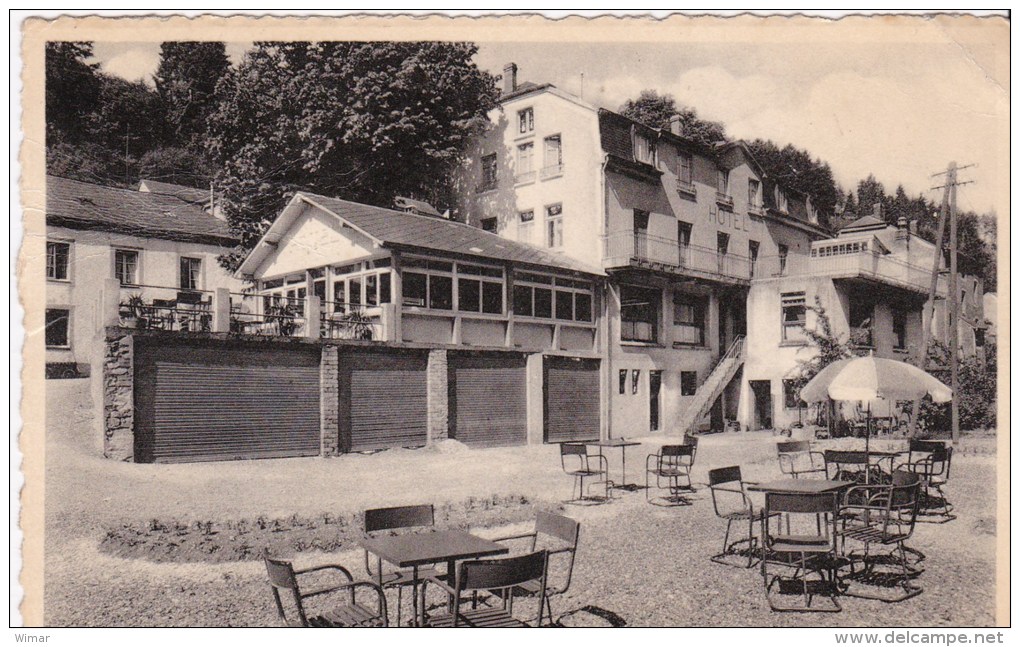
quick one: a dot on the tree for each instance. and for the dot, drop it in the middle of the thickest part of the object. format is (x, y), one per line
(976, 399)
(186, 82)
(72, 89)
(177, 166)
(798, 170)
(869, 193)
(655, 110)
(362, 121)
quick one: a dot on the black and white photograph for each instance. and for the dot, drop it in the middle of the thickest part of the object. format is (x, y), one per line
(513, 321)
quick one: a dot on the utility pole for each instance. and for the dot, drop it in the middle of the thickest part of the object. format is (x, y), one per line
(954, 312)
(947, 212)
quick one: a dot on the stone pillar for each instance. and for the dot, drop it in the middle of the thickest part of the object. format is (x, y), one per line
(111, 304)
(313, 317)
(438, 396)
(118, 399)
(534, 377)
(329, 401)
(221, 310)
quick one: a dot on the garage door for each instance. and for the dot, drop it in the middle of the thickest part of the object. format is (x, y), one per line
(383, 400)
(488, 399)
(195, 404)
(571, 399)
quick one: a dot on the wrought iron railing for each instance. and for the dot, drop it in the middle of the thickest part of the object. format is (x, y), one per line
(624, 247)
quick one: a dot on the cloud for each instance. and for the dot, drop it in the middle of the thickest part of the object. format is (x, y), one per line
(137, 63)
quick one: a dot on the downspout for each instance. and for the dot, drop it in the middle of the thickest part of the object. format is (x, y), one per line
(607, 333)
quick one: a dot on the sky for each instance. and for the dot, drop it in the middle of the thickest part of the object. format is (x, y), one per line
(901, 111)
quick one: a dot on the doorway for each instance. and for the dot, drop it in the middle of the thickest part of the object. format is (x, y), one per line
(762, 392)
(654, 387)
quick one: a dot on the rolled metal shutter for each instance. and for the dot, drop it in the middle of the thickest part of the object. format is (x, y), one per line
(488, 399)
(198, 404)
(572, 409)
(384, 400)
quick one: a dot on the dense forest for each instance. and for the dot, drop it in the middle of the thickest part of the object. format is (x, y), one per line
(366, 121)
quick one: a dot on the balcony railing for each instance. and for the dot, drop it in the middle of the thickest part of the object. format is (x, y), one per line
(686, 188)
(724, 199)
(153, 307)
(863, 264)
(624, 248)
(552, 171)
(526, 177)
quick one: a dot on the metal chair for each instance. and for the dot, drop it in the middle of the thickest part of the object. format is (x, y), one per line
(671, 464)
(505, 575)
(558, 535)
(810, 548)
(408, 516)
(577, 462)
(283, 578)
(796, 458)
(725, 482)
(885, 517)
(843, 465)
(932, 461)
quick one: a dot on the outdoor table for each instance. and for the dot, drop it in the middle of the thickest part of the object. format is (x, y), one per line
(420, 549)
(623, 444)
(891, 456)
(799, 486)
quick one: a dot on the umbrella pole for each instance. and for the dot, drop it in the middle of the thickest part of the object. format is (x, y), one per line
(867, 448)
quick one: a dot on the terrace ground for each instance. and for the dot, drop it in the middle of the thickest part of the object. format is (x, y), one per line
(109, 561)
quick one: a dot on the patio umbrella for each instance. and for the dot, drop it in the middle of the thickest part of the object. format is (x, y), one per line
(868, 378)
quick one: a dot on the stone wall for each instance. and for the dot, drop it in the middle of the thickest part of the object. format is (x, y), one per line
(438, 396)
(118, 398)
(329, 400)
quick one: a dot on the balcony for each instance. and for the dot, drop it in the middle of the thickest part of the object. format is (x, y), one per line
(629, 249)
(756, 210)
(549, 172)
(526, 177)
(863, 265)
(686, 189)
(724, 199)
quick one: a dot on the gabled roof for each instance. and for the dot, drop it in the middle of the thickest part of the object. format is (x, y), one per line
(186, 193)
(411, 232)
(864, 224)
(81, 205)
(416, 206)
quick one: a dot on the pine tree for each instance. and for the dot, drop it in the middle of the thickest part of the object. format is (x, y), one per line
(186, 81)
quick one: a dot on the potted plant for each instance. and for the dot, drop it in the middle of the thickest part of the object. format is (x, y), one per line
(359, 325)
(131, 312)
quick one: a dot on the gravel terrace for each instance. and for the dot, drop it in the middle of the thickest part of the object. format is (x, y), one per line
(646, 566)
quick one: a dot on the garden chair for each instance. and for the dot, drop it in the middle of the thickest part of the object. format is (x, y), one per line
(797, 458)
(345, 612)
(809, 549)
(386, 519)
(558, 535)
(932, 460)
(725, 482)
(884, 517)
(843, 465)
(507, 574)
(671, 464)
(577, 462)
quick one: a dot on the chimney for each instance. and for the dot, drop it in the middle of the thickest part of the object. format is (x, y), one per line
(674, 125)
(902, 233)
(509, 78)
(876, 210)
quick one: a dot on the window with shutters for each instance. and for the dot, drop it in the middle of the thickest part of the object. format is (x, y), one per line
(525, 121)
(525, 164)
(685, 174)
(552, 165)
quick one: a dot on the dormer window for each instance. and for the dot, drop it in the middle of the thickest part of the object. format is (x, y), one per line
(753, 195)
(644, 149)
(781, 203)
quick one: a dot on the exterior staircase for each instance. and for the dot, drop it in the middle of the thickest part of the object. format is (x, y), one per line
(712, 388)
